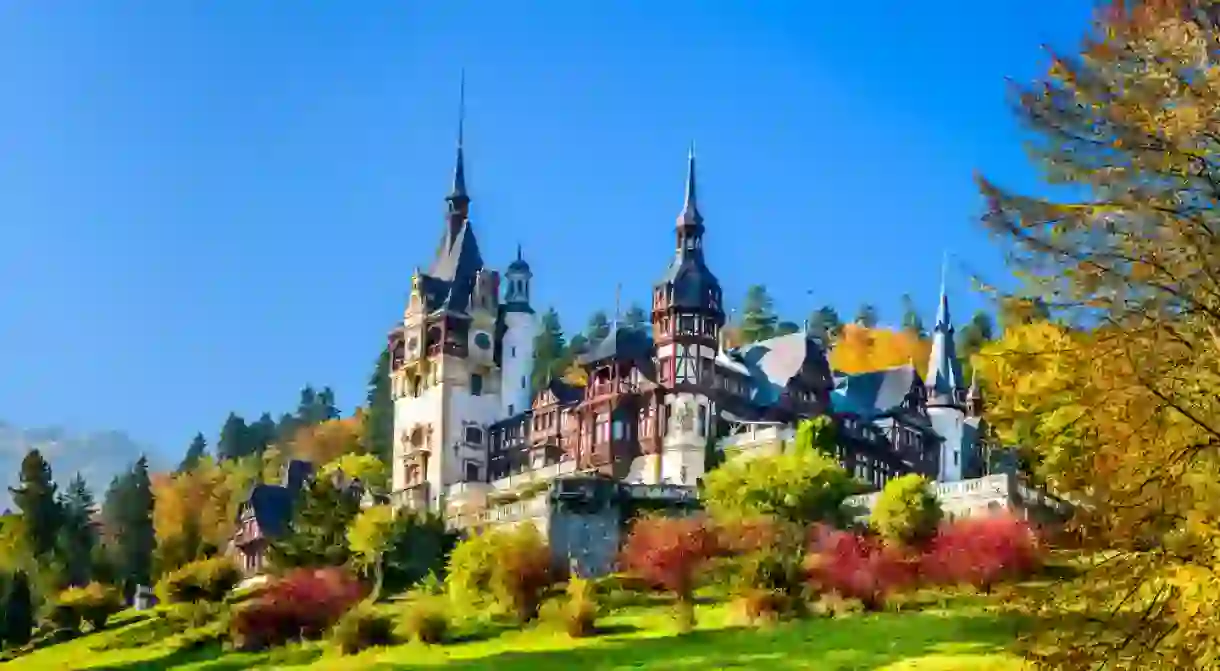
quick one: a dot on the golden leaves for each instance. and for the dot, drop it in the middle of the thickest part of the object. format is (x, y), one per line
(860, 349)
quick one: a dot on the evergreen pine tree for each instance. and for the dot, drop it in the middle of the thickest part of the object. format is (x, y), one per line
(78, 536)
(194, 452)
(35, 498)
(758, 319)
(17, 614)
(261, 434)
(128, 514)
(636, 317)
(911, 322)
(598, 328)
(825, 324)
(378, 434)
(550, 351)
(317, 535)
(867, 316)
(234, 440)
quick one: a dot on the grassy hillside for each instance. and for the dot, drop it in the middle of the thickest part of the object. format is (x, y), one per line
(963, 634)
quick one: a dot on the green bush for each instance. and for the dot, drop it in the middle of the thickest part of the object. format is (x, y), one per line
(907, 513)
(203, 580)
(93, 603)
(363, 627)
(427, 621)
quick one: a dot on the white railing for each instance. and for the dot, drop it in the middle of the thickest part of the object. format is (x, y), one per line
(996, 485)
(544, 474)
(507, 512)
(465, 488)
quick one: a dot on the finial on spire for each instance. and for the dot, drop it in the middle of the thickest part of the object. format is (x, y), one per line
(519, 257)
(690, 210)
(944, 269)
(459, 170)
(618, 296)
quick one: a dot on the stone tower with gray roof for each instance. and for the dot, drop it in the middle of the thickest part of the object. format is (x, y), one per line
(946, 397)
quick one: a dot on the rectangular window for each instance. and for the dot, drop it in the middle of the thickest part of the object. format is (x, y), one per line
(618, 430)
(472, 471)
(510, 409)
(513, 349)
(476, 385)
(523, 382)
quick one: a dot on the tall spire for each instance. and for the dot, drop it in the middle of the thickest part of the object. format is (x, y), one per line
(690, 210)
(944, 380)
(459, 169)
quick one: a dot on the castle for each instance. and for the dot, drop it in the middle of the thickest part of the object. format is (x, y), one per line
(469, 431)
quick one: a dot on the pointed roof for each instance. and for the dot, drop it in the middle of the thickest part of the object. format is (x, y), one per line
(519, 264)
(690, 209)
(458, 192)
(944, 379)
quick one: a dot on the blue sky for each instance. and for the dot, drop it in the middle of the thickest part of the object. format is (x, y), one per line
(205, 205)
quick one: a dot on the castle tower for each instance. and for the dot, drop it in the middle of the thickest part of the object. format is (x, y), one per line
(946, 394)
(445, 376)
(687, 316)
(520, 330)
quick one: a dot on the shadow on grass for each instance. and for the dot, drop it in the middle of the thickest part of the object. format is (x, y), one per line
(215, 658)
(827, 644)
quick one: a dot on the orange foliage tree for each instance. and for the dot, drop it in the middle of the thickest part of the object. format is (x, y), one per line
(860, 349)
(323, 443)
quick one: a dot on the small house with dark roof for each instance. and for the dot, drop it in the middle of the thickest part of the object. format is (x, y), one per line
(266, 514)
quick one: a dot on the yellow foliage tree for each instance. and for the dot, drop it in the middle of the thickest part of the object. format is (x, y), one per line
(1122, 410)
(860, 349)
(329, 440)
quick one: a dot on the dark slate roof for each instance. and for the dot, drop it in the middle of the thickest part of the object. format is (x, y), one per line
(519, 264)
(272, 505)
(450, 281)
(771, 364)
(944, 368)
(875, 393)
(566, 394)
(623, 343)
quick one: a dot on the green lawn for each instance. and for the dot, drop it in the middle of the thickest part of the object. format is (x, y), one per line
(962, 636)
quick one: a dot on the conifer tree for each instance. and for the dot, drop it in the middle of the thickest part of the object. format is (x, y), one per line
(636, 317)
(758, 319)
(598, 328)
(34, 497)
(551, 354)
(234, 440)
(378, 418)
(867, 316)
(911, 321)
(17, 611)
(78, 536)
(317, 535)
(194, 452)
(825, 324)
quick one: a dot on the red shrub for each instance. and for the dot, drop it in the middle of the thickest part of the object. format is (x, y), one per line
(669, 552)
(304, 604)
(857, 567)
(982, 552)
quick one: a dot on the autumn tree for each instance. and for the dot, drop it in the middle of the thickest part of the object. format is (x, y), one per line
(1121, 397)
(799, 485)
(860, 350)
(372, 472)
(329, 440)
